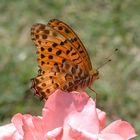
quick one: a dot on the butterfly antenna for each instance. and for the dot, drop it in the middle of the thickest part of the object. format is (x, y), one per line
(107, 59)
(104, 64)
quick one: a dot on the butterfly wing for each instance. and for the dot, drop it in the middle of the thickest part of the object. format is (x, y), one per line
(62, 58)
(75, 42)
(69, 78)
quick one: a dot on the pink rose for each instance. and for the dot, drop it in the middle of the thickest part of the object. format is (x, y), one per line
(67, 116)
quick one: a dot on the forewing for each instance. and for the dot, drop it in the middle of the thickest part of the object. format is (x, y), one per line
(72, 37)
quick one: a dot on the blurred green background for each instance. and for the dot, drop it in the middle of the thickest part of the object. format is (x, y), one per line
(102, 25)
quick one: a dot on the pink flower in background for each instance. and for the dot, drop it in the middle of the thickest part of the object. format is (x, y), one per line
(67, 116)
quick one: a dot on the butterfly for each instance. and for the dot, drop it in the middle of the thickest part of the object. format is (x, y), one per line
(62, 59)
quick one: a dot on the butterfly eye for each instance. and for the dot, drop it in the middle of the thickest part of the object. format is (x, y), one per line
(97, 73)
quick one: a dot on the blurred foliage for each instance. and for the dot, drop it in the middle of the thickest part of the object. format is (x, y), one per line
(102, 25)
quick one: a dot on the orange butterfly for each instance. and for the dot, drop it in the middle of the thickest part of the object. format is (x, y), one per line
(63, 60)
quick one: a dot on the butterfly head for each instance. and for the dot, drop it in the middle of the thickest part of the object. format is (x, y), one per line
(94, 74)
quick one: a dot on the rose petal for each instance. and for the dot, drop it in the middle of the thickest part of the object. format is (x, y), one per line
(60, 105)
(102, 118)
(86, 120)
(17, 121)
(81, 135)
(84, 135)
(122, 128)
(109, 136)
(33, 129)
(7, 131)
(55, 134)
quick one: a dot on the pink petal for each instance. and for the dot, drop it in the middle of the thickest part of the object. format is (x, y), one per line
(29, 127)
(122, 128)
(80, 135)
(17, 121)
(33, 129)
(7, 131)
(84, 135)
(86, 120)
(109, 136)
(60, 105)
(102, 118)
(55, 134)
